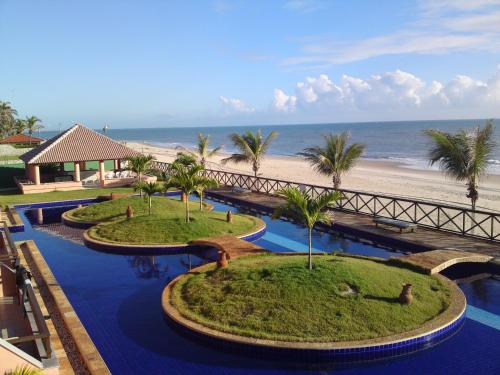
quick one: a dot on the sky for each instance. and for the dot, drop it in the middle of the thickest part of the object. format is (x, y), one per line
(207, 63)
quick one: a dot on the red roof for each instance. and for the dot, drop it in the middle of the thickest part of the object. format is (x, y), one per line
(21, 138)
(78, 143)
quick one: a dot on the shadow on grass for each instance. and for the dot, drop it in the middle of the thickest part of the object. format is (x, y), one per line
(383, 299)
(7, 174)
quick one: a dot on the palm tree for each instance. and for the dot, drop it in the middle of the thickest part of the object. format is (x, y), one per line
(301, 207)
(7, 120)
(185, 159)
(140, 164)
(20, 126)
(203, 151)
(187, 179)
(252, 148)
(32, 124)
(150, 189)
(203, 184)
(464, 155)
(336, 158)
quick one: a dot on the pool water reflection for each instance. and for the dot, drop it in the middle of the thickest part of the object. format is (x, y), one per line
(118, 300)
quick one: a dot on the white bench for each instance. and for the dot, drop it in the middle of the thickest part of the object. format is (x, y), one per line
(403, 226)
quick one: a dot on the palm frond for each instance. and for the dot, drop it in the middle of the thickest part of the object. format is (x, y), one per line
(335, 158)
(236, 158)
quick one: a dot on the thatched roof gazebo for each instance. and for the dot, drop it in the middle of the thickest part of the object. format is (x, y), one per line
(77, 145)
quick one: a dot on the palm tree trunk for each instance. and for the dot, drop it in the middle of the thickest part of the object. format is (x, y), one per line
(336, 181)
(187, 210)
(149, 202)
(310, 249)
(201, 200)
(255, 168)
(140, 180)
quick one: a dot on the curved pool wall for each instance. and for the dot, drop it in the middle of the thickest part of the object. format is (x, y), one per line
(340, 355)
(86, 224)
(156, 249)
(117, 299)
(429, 334)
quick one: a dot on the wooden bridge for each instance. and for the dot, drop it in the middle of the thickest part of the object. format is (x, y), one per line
(437, 260)
(231, 245)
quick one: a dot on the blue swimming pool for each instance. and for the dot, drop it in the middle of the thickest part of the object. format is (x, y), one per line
(117, 298)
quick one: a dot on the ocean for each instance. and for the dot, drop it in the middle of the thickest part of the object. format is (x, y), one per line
(400, 141)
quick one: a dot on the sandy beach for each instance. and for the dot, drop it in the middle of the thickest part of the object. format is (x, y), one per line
(372, 176)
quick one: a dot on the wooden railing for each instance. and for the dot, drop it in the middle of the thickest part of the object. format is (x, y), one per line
(450, 218)
(26, 294)
(8, 250)
(32, 312)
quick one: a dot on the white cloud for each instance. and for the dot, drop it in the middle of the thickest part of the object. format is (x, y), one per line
(487, 23)
(393, 93)
(230, 105)
(284, 103)
(438, 6)
(441, 27)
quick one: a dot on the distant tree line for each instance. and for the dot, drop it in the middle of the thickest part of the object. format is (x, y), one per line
(10, 124)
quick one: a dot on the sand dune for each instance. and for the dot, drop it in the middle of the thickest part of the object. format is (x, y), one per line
(372, 176)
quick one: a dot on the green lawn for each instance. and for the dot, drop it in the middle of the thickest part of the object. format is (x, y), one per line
(15, 198)
(91, 165)
(278, 298)
(166, 225)
(9, 157)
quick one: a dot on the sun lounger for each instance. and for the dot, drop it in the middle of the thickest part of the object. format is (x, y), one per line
(403, 226)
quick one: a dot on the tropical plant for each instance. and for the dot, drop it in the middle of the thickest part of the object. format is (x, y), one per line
(20, 126)
(203, 152)
(7, 119)
(139, 164)
(149, 189)
(185, 159)
(203, 184)
(301, 207)
(187, 179)
(464, 155)
(336, 158)
(33, 124)
(24, 370)
(252, 148)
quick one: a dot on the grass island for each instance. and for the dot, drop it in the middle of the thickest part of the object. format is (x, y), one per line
(165, 225)
(277, 298)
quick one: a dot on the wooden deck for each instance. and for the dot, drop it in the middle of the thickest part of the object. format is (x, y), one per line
(437, 260)
(362, 226)
(231, 245)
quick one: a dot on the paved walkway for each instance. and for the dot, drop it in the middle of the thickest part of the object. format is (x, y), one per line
(231, 245)
(437, 260)
(362, 226)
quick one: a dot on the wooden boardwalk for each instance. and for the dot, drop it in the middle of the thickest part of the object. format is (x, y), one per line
(362, 226)
(437, 260)
(231, 245)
